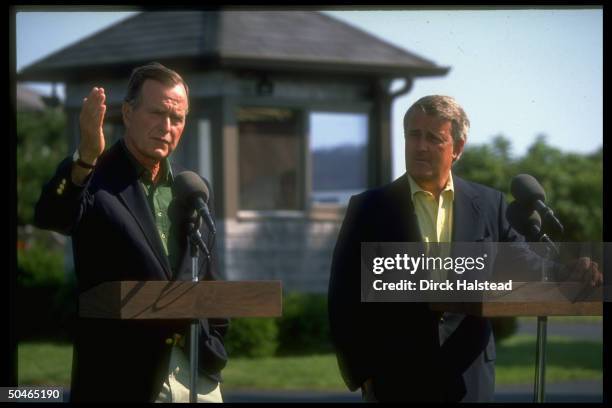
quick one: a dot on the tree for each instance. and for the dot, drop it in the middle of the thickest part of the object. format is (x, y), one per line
(488, 164)
(573, 182)
(41, 145)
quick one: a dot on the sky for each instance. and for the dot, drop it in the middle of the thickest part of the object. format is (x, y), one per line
(517, 73)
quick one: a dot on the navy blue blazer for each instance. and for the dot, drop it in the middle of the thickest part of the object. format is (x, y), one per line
(398, 344)
(114, 238)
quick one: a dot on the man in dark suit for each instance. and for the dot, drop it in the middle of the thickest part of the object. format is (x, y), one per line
(115, 206)
(404, 351)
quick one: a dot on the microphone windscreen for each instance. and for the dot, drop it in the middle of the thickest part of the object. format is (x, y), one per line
(522, 218)
(188, 185)
(181, 215)
(526, 189)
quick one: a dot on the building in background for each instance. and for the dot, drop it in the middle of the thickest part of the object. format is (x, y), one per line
(289, 115)
(28, 100)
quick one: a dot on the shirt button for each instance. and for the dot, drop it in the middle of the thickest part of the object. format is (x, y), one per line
(163, 235)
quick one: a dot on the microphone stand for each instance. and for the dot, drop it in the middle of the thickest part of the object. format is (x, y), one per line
(195, 243)
(540, 369)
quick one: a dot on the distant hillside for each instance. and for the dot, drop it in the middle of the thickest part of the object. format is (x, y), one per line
(340, 168)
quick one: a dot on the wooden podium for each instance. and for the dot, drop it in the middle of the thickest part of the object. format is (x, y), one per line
(541, 299)
(188, 300)
(182, 299)
(532, 299)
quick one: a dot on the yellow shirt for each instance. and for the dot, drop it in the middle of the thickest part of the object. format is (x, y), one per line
(435, 217)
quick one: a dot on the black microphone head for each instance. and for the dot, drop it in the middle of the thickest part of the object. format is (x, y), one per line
(188, 185)
(179, 212)
(527, 190)
(526, 221)
(181, 216)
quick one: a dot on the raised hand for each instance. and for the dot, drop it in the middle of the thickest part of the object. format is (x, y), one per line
(91, 120)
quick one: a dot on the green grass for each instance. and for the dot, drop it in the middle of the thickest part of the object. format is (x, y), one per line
(565, 319)
(45, 363)
(567, 359)
(314, 372)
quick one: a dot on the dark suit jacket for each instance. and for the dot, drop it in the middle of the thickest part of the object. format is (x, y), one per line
(114, 238)
(398, 344)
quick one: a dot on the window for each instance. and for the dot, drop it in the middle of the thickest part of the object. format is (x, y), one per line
(270, 159)
(205, 149)
(339, 156)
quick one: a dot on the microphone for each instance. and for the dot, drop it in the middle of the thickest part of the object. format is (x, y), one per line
(528, 223)
(529, 193)
(191, 192)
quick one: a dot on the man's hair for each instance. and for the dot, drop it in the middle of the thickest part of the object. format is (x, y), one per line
(444, 107)
(155, 71)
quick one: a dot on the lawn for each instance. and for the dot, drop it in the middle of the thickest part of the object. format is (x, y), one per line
(44, 363)
(565, 319)
(567, 359)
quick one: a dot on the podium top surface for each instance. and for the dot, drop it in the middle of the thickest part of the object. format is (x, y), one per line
(182, 299)
(533, 299)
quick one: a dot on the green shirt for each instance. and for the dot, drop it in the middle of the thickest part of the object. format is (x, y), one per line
(158, 196)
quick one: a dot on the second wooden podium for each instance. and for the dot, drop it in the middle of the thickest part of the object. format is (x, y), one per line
(541, 299)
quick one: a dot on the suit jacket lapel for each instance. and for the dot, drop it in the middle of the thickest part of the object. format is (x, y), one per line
(131, 195)
(468, 225)
(134, 199)
(408, 225)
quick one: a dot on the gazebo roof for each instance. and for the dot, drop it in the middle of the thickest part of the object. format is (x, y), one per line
(304, 41)
(28, 100)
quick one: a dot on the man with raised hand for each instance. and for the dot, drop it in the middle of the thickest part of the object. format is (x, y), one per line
(114, 204)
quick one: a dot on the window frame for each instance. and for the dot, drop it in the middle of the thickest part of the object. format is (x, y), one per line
(317, 211)
(325, 209)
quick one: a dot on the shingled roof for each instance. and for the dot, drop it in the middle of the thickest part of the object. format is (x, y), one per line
(28, 100)
(286, 40)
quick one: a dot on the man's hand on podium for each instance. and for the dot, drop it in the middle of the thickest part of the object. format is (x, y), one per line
(585, 270)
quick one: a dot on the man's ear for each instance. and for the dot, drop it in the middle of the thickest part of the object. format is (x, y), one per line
(126, 113)
(458, 149)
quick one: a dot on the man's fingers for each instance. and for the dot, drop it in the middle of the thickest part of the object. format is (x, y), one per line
(93, 94)
(597, 275)
(92, 120)
(594, 276)
(101, 113)
(100, 96)
(96, 95)
(93, 102)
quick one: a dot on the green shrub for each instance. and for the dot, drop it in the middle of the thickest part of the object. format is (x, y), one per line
(38, 266)
(304, 326)
(41, 145)
(45, 300)
(252, 337)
